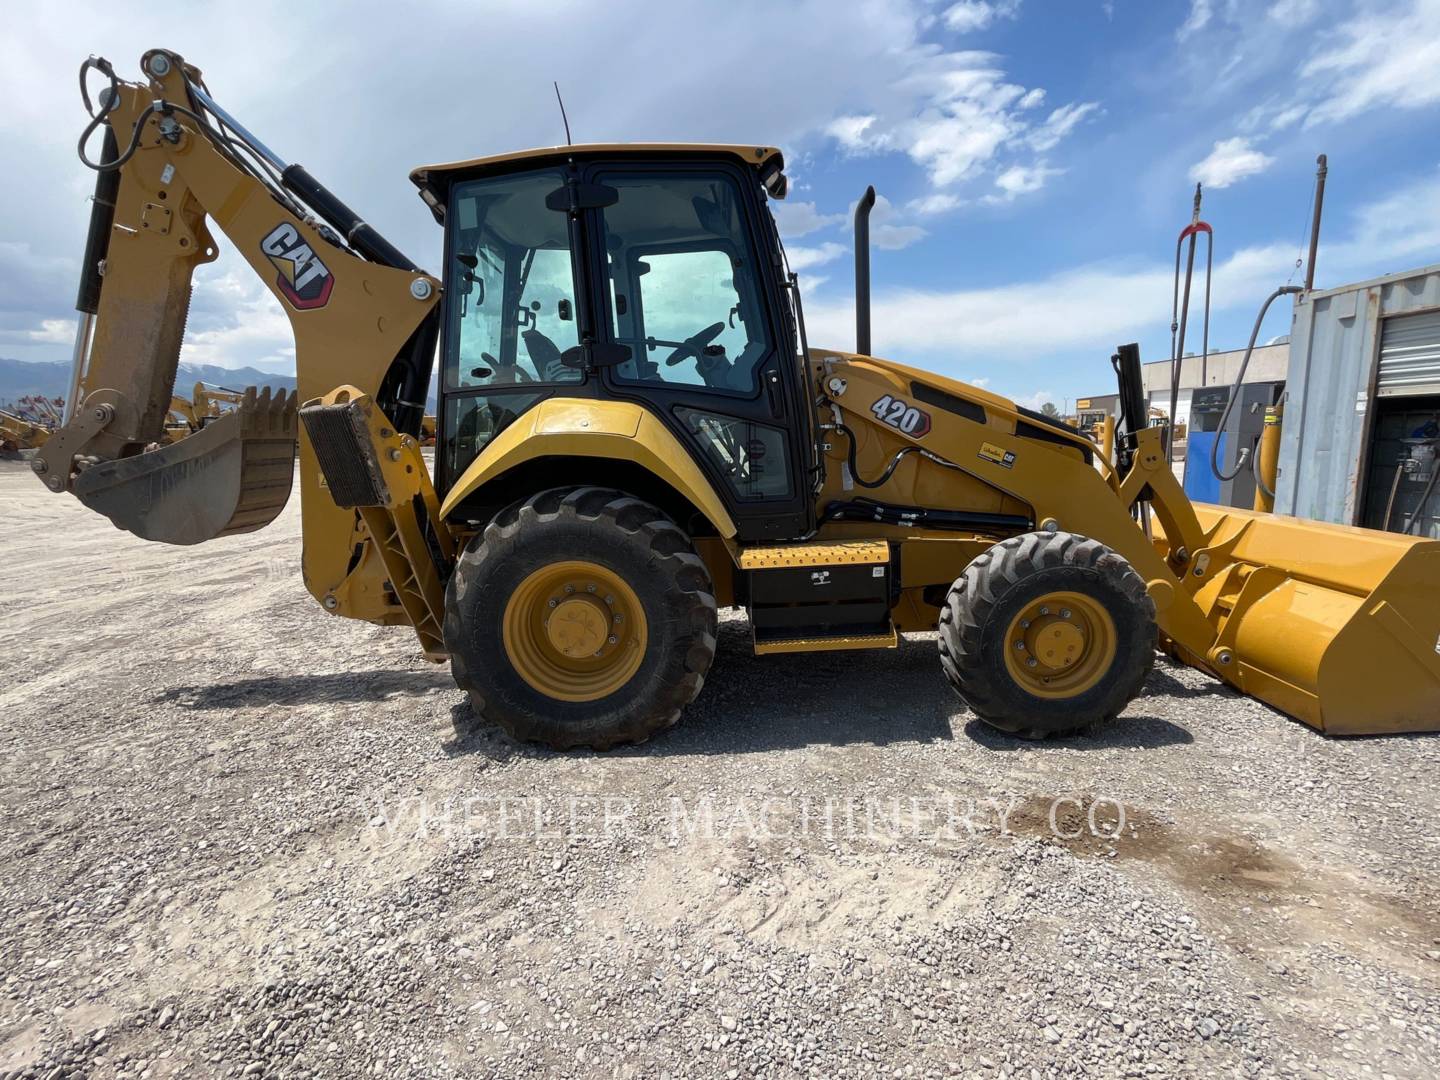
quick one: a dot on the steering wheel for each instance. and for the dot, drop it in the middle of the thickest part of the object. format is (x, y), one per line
(695, 345)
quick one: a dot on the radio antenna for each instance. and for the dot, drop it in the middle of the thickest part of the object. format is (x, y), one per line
(563, 117)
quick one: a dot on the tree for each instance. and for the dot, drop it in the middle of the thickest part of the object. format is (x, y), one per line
(1049, 409)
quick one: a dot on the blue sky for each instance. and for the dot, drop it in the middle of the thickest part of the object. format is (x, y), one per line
(1036, 158)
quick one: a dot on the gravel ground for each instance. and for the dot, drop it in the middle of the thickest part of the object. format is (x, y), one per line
(243, 838)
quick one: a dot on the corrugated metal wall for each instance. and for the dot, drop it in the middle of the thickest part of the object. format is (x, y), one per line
(1334, 349)
(1410, 355)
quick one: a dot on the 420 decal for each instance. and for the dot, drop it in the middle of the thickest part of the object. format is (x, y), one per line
(902, 416)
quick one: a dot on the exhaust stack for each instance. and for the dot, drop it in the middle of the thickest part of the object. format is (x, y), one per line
(862, 270)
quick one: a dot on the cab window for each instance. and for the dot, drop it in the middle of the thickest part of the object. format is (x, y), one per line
(684, 285)
(512, 307)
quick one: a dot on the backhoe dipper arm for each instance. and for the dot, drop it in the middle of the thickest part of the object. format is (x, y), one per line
(183, 163)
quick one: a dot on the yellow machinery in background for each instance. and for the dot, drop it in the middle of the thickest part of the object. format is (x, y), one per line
(205, 403)
(633, 431)
(17, 434)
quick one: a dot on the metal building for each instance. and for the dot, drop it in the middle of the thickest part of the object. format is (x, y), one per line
(1362, 417)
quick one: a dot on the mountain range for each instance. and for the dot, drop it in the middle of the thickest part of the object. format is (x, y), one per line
(21, 378)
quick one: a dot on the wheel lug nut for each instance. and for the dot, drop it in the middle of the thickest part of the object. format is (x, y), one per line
(610, 599)
(569, 589)
(1032, 662)
(1024, 624)
(1020, 645)
(619, 618)
(589, 588)
(613, 639)
(1044, 611)
(553, 602)
(1064, 613)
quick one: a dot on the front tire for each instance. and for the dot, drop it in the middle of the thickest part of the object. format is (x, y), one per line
(1047, 633)
(581, 617)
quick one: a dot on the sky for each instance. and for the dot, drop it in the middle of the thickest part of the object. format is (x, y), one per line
(1035, 160)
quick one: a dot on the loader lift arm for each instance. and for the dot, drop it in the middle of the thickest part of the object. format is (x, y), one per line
(174, 163)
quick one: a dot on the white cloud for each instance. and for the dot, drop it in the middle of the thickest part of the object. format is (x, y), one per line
(1286, 117)
(803, 258)
(1038, 400)
(1292, 13)
(1229, 162)
(895, 237)
(939, 202)
(970, 15)
(1022, 180)
(952, 144)
(854, 134)
(1384, 60)
(55, 332)
(796, 219)
(952, 113)
(1059, 124)
(1198, 18)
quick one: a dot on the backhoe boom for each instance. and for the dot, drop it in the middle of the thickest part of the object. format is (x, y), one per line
(177, 165)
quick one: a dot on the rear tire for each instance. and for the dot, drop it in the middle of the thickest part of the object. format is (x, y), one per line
(1047, 633)
(629, 586)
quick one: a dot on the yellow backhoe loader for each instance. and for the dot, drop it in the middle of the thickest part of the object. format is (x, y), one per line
(205, 403)
(633, 432)
(17, 434)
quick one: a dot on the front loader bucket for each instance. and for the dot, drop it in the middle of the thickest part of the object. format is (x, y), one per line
(232, 476)
(1337, 626)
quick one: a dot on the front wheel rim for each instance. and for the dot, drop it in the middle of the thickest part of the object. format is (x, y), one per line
(1060, 645)
(575, 631)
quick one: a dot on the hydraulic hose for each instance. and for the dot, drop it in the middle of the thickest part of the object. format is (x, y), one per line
(1243, 457)
(894, 462)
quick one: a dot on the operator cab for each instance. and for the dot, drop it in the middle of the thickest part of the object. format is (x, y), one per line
(650, 274)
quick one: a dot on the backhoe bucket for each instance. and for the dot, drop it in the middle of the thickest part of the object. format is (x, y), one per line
(232, 476)
(1337, 626)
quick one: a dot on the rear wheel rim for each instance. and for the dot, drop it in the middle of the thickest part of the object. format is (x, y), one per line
(1060, 645)
(575, 631)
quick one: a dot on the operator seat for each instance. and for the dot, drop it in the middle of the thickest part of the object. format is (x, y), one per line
(545, 355)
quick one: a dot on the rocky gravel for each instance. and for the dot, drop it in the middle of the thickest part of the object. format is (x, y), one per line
(242, 838)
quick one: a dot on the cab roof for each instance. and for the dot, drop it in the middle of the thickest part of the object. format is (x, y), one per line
(436, 179)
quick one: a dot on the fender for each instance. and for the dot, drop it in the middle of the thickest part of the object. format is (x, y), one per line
(585, 427)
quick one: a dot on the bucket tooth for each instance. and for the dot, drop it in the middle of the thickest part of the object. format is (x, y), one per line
(234, 475)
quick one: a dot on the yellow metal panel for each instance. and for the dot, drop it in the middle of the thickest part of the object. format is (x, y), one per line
(843, 553)
(582, 427)
(828, 644)
(1338, 556)
(566, 417)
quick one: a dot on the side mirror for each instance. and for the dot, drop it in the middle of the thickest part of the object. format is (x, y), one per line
(564, 311)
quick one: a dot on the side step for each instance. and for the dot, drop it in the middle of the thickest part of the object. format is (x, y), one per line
(820, 597)
(827, 644)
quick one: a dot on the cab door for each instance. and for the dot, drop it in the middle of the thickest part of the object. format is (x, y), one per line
(688, 288)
